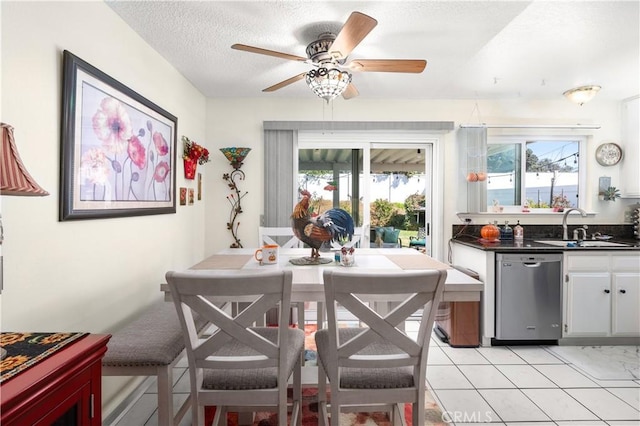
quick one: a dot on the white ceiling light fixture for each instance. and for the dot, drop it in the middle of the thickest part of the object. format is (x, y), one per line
(583, 94)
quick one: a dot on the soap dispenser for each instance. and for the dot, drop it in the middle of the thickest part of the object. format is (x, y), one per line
(506, 233)
(518, 232)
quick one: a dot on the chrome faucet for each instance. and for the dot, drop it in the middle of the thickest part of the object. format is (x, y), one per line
(564, 220)
(576, 233)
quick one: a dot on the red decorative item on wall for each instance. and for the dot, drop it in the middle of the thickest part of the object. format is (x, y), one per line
(193, 155)
(190, 166)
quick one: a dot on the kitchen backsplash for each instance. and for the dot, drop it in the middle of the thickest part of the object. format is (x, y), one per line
(552, 231)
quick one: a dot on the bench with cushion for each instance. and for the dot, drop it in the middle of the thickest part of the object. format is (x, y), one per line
(151, 345)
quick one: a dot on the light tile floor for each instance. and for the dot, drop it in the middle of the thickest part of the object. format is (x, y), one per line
(499, 385)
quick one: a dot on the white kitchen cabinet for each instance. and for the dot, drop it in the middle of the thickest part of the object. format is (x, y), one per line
(626, 304)
(588, 310)
(602, 294)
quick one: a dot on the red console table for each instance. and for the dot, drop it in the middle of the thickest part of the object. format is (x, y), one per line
(63, 389)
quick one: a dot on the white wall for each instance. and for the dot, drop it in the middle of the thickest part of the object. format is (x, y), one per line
(89, 275)
(239, 122)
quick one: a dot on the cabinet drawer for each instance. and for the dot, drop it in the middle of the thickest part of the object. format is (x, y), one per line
(587, 263)
(625, 263)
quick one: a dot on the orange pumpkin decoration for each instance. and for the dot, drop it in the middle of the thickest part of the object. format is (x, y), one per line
(490, 232)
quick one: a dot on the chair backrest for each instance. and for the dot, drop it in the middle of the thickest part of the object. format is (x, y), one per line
(422, 233)
(200, 291)
(413, 290)
(359, 236)
(282, 236)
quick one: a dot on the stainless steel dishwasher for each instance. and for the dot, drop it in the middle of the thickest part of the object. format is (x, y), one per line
(528, 296)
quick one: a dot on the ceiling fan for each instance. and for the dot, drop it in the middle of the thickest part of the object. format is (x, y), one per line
(328, 54)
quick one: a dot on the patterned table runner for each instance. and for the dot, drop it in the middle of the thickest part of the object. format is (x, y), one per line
(224, 261)
(416, 262)
(27, 349)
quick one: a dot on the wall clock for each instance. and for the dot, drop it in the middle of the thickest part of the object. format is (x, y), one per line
(608, 154)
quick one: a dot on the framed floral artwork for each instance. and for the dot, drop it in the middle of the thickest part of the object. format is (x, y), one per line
(118, 148)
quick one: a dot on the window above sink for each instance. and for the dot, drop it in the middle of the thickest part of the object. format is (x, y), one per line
(533, 172)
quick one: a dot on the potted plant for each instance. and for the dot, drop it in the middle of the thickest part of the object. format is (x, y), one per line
(560, 202)
(611, 193)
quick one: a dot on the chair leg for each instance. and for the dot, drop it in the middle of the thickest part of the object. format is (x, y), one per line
(335, 409)
(398, 414)
(165, 396)
(418, 410)
(296, 411)
(198, 416)
(282, 407)
(322, 396)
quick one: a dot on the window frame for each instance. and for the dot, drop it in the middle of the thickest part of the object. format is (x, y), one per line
(522, 141)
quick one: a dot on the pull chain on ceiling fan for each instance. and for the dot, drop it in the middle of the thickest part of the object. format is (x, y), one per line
(331, 77)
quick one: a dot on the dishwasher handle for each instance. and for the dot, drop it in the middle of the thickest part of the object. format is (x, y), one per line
(532, 264)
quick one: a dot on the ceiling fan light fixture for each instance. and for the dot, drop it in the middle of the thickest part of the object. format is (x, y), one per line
(328, 83)
(583, 94)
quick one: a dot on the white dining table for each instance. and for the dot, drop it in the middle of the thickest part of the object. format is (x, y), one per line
(308, 279)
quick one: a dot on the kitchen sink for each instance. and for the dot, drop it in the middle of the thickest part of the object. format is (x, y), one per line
(588, 243)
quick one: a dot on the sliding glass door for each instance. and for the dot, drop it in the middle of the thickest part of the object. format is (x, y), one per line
(332, 176)
(382, 184)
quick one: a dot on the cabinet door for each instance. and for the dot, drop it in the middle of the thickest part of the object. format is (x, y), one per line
(626, 304)
(588, 304)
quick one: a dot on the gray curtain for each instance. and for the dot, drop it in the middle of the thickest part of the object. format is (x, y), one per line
(278, 177)
(473, 159)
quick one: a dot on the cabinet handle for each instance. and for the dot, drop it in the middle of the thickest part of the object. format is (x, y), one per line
(623, 291)
(607, 291)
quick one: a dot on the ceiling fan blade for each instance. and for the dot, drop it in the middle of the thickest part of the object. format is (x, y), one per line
(352, 33)
(285, 83)
(388, 65)
(267, 52)
(350, 92)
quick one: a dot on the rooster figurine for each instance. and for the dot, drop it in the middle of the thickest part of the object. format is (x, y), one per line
(333, 225)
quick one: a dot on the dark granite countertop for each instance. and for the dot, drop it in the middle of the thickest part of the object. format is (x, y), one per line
(534, 245)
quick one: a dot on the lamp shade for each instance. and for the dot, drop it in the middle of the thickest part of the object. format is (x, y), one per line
(235, 155)
(328, 83)
(14, 177)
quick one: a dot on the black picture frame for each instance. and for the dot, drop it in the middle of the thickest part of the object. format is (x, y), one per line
(118, 149)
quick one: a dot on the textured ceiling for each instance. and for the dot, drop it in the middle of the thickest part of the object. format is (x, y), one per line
(474, 49)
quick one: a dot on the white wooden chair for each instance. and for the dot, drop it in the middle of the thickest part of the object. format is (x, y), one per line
(377, 367)
(276, 235)
(239, 365)
(359, 234)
